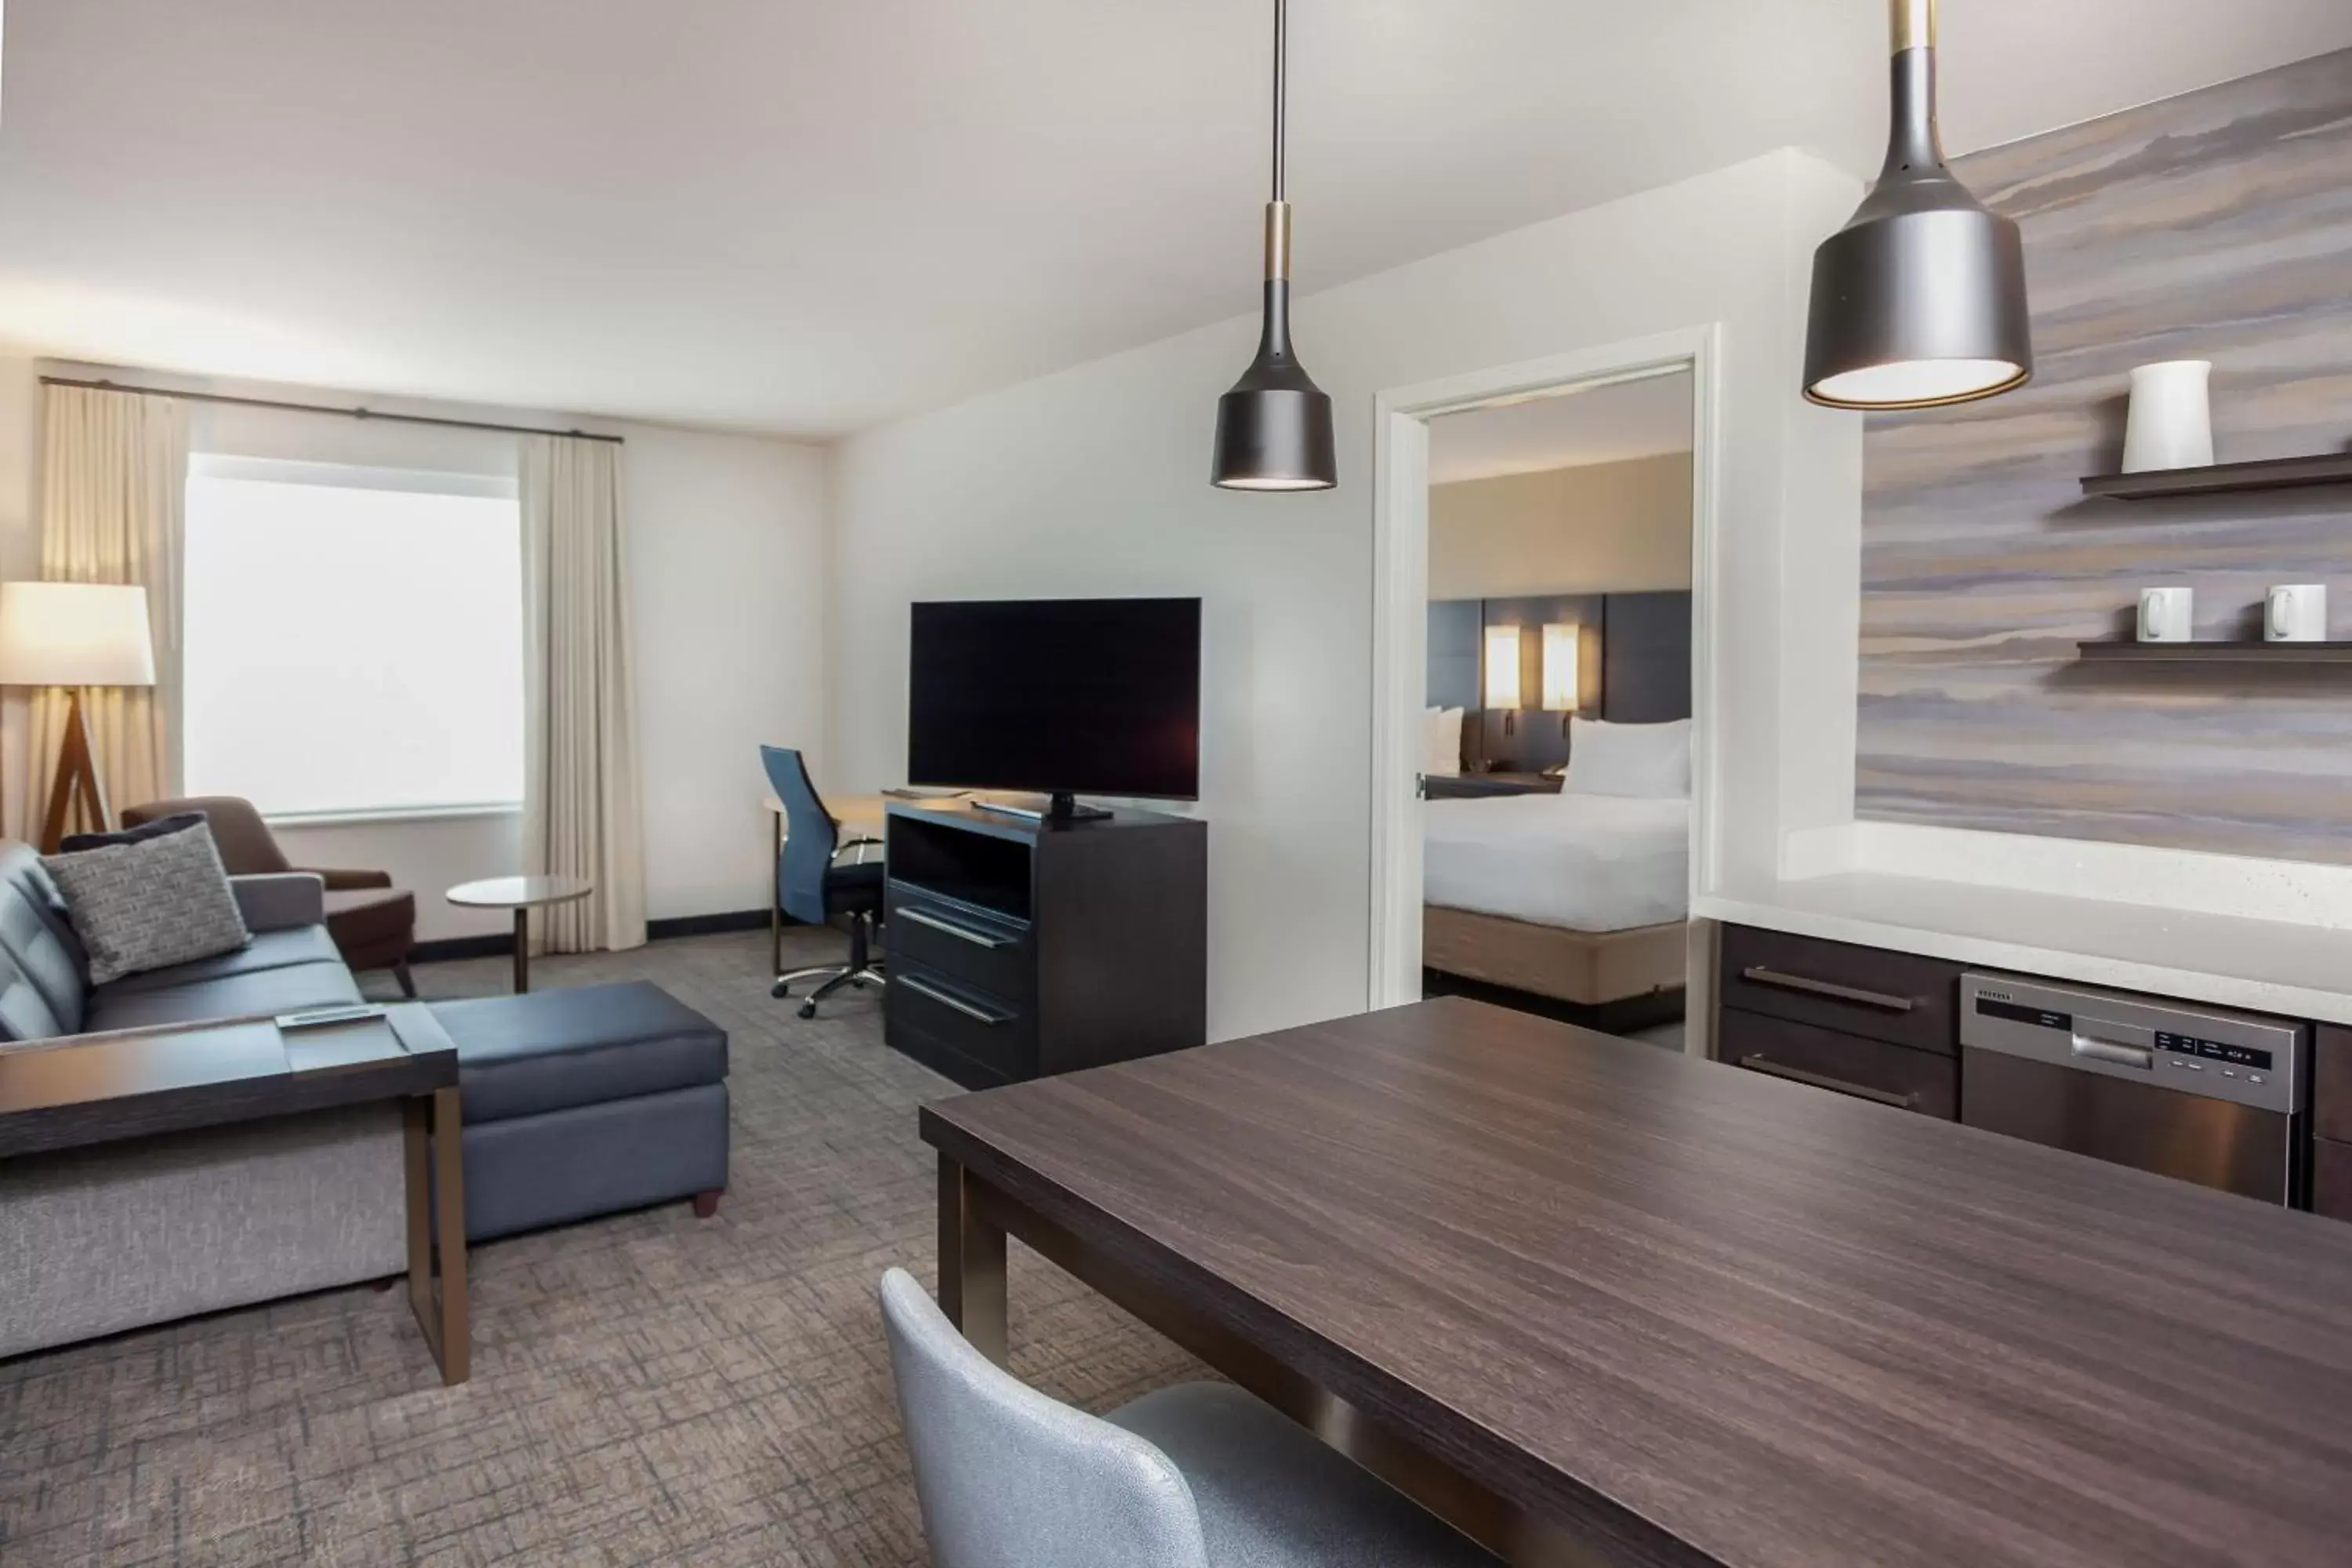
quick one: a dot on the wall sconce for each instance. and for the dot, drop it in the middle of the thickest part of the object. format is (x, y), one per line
(1502, 668)
(1559, 670)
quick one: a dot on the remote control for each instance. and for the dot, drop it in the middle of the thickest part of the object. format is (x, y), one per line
(319, 1017)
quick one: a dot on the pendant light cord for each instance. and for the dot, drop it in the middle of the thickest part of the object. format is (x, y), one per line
(1281, 76)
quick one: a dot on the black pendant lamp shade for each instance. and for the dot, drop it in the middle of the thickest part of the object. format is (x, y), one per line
(1920, 299)
(1274, 428)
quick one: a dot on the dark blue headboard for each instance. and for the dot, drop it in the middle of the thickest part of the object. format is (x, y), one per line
(1645, 657)
(1453, 625)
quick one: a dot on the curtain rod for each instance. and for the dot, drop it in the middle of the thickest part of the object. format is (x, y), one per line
(320, 408)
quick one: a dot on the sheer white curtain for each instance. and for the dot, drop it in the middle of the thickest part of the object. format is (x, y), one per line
(114, 482)
(580, 754)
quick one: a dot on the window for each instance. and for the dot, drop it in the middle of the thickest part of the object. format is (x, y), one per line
(354, 639)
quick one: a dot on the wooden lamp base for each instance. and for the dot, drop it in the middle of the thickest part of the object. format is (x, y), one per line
(76, 774)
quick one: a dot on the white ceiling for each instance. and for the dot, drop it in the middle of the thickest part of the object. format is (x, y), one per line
(802, 216)
(1611, 424)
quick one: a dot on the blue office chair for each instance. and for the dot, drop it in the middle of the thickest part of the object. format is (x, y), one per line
(811, 884)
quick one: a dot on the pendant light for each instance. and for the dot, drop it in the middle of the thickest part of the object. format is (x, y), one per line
(1274, 428)
(1920, 299)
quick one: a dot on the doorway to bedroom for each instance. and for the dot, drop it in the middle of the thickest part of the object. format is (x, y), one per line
(1543, 857)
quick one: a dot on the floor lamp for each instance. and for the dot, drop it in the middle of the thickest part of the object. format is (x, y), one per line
(75, 634)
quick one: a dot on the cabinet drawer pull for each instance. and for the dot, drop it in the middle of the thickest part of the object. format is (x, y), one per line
(1771, 1068)
(1758, 974)
(947, 999)
(962, 932)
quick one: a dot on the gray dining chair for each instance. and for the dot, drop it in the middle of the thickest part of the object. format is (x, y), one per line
(1199, 1476)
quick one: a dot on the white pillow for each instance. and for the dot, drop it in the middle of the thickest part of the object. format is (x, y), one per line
(1441, 741)
(1650, 761)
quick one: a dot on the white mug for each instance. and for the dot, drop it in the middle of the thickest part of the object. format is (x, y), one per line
(2164, 614)
(2298, 613)
(2171, 423)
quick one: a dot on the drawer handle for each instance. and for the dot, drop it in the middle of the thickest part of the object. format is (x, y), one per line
(964, 933)
(948, 999)
(1757, 974)
(1771, 1068)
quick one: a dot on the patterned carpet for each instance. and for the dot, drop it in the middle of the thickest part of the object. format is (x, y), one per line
(648, 1388)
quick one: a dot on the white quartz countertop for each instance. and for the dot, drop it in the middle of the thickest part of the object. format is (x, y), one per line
(2264, 966)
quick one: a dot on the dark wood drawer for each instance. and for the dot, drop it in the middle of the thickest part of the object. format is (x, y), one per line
(927, 1008)
(2331, 1083)
(1895, 996)
(1908, 1079)
(2331, 1178)
(981, 949)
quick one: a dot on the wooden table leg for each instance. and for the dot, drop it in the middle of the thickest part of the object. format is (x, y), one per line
(434, 1157)
(522, 948)
(972, 1264)
(416, 1158)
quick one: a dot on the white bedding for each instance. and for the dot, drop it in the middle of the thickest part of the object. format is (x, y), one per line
(1583, 862)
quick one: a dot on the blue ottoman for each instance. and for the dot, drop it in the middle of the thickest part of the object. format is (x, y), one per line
(586, 1102)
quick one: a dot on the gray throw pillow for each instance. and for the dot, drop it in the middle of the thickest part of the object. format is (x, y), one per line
(150, 904)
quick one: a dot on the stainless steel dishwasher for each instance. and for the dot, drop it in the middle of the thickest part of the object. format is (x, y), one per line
(2209, 1097)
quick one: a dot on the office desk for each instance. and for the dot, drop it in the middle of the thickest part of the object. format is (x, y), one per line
(1582, 1295)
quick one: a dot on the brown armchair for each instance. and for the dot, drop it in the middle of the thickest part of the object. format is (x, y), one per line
(373, 924)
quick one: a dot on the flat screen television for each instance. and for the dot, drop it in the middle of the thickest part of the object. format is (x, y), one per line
(1061, 697)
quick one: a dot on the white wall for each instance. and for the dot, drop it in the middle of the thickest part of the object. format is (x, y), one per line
(726, 541)
(726, 557)
(1598, 528)
(1095, 481)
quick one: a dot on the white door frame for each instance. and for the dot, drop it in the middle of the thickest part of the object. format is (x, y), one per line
(1401, 599)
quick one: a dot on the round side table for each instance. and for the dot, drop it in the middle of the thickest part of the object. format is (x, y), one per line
(520, 894)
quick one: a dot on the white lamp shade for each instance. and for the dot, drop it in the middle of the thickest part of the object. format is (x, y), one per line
(75, 634)
(1502, 667)
(1559, 689)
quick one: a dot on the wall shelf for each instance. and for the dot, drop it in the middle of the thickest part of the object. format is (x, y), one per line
(2225, 478)
(2113, 651)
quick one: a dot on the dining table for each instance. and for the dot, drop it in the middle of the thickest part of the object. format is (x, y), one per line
(1594, 1302)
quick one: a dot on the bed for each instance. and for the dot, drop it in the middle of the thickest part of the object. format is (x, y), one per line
(1582, 897)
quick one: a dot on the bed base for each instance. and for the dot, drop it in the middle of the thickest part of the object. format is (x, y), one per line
(1589, 968)
(1631, 1016)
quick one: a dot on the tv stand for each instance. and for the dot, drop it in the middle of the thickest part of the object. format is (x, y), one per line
(1023, 946)
(1060, 807)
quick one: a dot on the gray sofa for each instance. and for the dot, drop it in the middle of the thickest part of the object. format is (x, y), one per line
(575, 1103)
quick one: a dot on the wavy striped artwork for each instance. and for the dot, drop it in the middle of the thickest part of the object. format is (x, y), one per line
(2214, 226)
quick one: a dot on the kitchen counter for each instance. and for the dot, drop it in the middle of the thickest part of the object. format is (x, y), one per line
(2267, 966)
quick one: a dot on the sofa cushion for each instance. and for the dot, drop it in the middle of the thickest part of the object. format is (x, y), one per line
(279, 900)
(262, 992)
(24, 1013)
(155, 827)
(34, 934)
(162, 901)
(268, 950)
(545, 1050)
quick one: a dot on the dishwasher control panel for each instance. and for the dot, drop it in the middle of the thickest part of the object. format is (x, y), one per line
(2242, 1057)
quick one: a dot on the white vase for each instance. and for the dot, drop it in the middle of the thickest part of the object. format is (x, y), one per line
(2171, 420)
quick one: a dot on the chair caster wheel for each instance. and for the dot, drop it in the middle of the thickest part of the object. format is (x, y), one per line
(808, 1009)
(781, 989)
